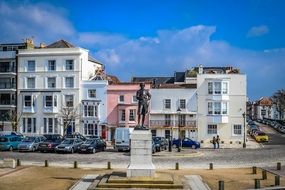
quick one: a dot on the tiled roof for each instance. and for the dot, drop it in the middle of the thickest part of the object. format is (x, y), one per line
(60, 44)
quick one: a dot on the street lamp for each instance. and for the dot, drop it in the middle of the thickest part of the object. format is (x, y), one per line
(179, 135)
(244, 134)
(170, 140)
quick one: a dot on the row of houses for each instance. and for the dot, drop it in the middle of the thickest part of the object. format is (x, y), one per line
(60, 88)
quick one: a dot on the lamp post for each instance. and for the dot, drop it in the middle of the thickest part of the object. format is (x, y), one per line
(244, 134)
(170, 140)
(179, 135)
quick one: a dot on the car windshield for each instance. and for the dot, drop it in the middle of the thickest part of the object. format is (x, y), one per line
(50, 137)
(89, 141)
(68, 141)
(3, 139)
(260, 134)
(29, 139)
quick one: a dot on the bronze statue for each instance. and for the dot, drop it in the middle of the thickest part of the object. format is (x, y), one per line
(143, 97)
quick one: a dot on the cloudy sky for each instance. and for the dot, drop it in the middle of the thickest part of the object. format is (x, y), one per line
(156, 38)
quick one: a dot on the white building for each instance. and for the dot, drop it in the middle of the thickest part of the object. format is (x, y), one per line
(173, 108)
(221, 97)
(94, 107)
(49, 80)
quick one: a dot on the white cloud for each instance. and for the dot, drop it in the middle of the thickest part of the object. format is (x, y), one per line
(43, 22)
(257, 31)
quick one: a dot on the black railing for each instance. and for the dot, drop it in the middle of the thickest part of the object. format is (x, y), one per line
(7, 85)
(175, 123)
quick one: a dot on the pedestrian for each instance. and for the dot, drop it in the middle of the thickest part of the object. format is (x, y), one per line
(214, 142)
(218, 141)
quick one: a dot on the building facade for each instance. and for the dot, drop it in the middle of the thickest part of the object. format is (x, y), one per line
(94, 107)
(122, 106)
(49, 81)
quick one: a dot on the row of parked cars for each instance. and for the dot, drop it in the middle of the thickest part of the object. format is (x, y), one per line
(256, 133)
(274, 124)
(51, 143)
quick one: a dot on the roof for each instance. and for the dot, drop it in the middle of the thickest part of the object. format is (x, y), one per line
(176, 86)
(179, 76)
(112, 79)
(92, 59)
(154, 80)
(60, 44)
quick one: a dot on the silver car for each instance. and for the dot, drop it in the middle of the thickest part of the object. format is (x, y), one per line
(30, 143)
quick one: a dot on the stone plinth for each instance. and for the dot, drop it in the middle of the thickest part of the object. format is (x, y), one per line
(141, 155)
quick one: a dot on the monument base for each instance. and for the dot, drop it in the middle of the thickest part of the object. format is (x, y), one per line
(141, 155)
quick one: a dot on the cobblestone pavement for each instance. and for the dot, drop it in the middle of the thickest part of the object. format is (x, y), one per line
(267, 155)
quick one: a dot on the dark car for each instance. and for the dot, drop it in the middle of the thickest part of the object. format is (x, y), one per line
(75, 135)
(186, 142)
(69, 145)
(160, 143)
(48, 145)
(31, 143)
(93, 145)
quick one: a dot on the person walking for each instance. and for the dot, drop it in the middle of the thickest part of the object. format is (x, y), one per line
(218, 141)
(214, 142)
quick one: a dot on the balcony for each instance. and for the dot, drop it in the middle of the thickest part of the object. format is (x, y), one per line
(31, 109)
(173, 123)
(50, 110)
(216, 119)
(7, 86)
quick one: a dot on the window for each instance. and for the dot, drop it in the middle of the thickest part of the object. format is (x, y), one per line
(210, 88)
(69, 65)
(28, 101)
(217, 108)
(217, 87)
(121, 98)
(212, 129)
(90, 129)
(31, 82)
(35, 126)
(51, 65)
(69, 82)
(153, 133)
(122, 115)
(167, 119)
(24, 125)
(182, 103)
(45, 125)
(48, 101)
(92, 93)
(167, 134)
(31, 66)
(237, 130)
(29, 125)
(224, 108)
(167, 104)
(225, 87)
(69, 100)
(210, 108)
(135, 99)
(51, 82)
(90, 111)
(50, 125)
(181, 120)
(132, 116)
(55, 126)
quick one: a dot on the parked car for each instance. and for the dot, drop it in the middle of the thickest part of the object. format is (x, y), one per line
(186, 142)
(9, 142)
(69, 145)
(92, 146)
(122, 139)
(260, 136)
(161, 143)
(15, 133)
(75, 135)
(30, 143)
(48, 145)
(281, 129)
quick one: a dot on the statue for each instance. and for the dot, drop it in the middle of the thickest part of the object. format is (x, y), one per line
(143, 97)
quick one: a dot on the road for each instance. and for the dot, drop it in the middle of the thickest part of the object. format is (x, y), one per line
(269, 154)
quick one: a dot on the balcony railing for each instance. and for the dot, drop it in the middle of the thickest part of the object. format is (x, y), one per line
(173, 123)
(7, 85)
(7, 102)
(4, 69)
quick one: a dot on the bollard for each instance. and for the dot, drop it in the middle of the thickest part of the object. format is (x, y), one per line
(46, 163)
(211, 166)
(221, 185)
(176, 166)
(254, 170)
(256, 183)
(264, 174)
(18, 162)
(278, 166)
(109, 165)
(75, 165)
(277, 180)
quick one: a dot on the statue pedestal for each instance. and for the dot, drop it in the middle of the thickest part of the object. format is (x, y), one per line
(141, 155)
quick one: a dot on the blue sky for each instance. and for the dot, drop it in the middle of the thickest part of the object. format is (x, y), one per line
(156, 38)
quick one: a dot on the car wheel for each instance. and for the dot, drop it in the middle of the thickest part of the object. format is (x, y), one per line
(93, 150)
(104, 148)
(72, 151)
(33, 149)
(193, 146)
(11, 148)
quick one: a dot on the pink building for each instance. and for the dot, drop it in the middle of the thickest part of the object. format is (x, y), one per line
(122, 106)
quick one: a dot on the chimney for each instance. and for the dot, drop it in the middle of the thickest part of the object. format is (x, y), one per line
(200, 69)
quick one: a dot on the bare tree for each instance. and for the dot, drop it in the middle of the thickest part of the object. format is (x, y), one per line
(278, 98)
(68, 114)
(14, 119)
